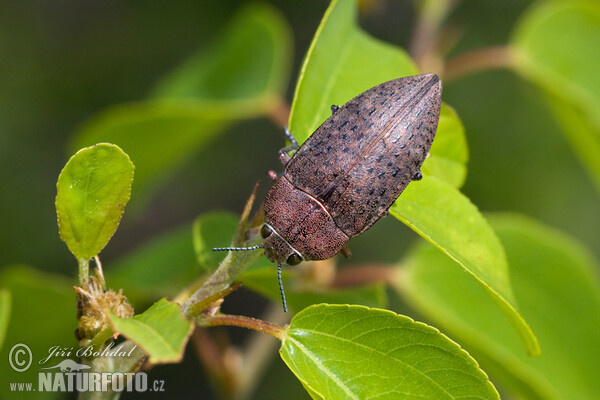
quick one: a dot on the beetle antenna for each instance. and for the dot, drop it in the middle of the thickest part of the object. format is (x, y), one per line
(281, 288)
(258, 246)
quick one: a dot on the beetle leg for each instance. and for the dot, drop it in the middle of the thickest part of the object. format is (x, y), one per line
(346, 251)
(283, 153)
(334, 109)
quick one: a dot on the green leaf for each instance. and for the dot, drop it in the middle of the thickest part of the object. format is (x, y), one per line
(161, 331)
(354, 352)
(249, 62)
(449, 152)
(264, 281)
(92, 191)
(556, 284)
(42, 316)
(342, 62)
(557, 48)
(213, 230)
(5, 305)
(446, 218)
(160, 267)
(241, 76)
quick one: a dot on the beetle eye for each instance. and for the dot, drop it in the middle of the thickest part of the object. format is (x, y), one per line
(265, 231)
(294, 259)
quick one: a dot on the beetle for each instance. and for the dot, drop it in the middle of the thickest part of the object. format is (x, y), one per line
(348, 173)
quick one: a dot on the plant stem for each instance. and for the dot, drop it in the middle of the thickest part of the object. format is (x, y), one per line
(479, 60)
(431, 15)
(234, 263)
(84, 271)
(365, 275)
(242, 322)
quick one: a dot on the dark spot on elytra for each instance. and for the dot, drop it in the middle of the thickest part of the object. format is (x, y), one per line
(381, 174)
(396, 172)
(370, 170)
(343, 125)
(372, 111)
(371, 191)
(402, 146)
(354, 128)
(344, 136)
(346, 150)
(389, 164)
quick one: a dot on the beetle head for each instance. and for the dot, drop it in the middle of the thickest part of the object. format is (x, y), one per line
(277, 249)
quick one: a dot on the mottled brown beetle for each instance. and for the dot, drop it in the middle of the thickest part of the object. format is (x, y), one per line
(348, 173)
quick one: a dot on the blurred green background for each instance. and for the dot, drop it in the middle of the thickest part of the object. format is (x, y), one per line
(61, 62)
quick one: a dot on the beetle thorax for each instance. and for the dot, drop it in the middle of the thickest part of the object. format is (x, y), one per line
(300, 225)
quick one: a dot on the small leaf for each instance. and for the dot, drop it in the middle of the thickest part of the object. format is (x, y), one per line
(161, 331)
(447, 219)
(556, 47)
(354, 352)
(5, 305)
(339, 65)
(449, 152)
(92, 191)
(213, 230)
(556, 284)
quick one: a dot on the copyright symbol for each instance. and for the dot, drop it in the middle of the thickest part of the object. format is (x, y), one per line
(20, 357)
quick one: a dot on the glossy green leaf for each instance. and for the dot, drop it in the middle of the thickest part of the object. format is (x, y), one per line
(264, 281)
(556, 284)
(161, 267)
(446, 218)
(249, 62)
(241, 76)
(213, 230)
(355, 352)
(161, 331)
(449, 152)
(42, 316)
(557, 48)
(5, 305)
(92, 191)
(339, 65)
